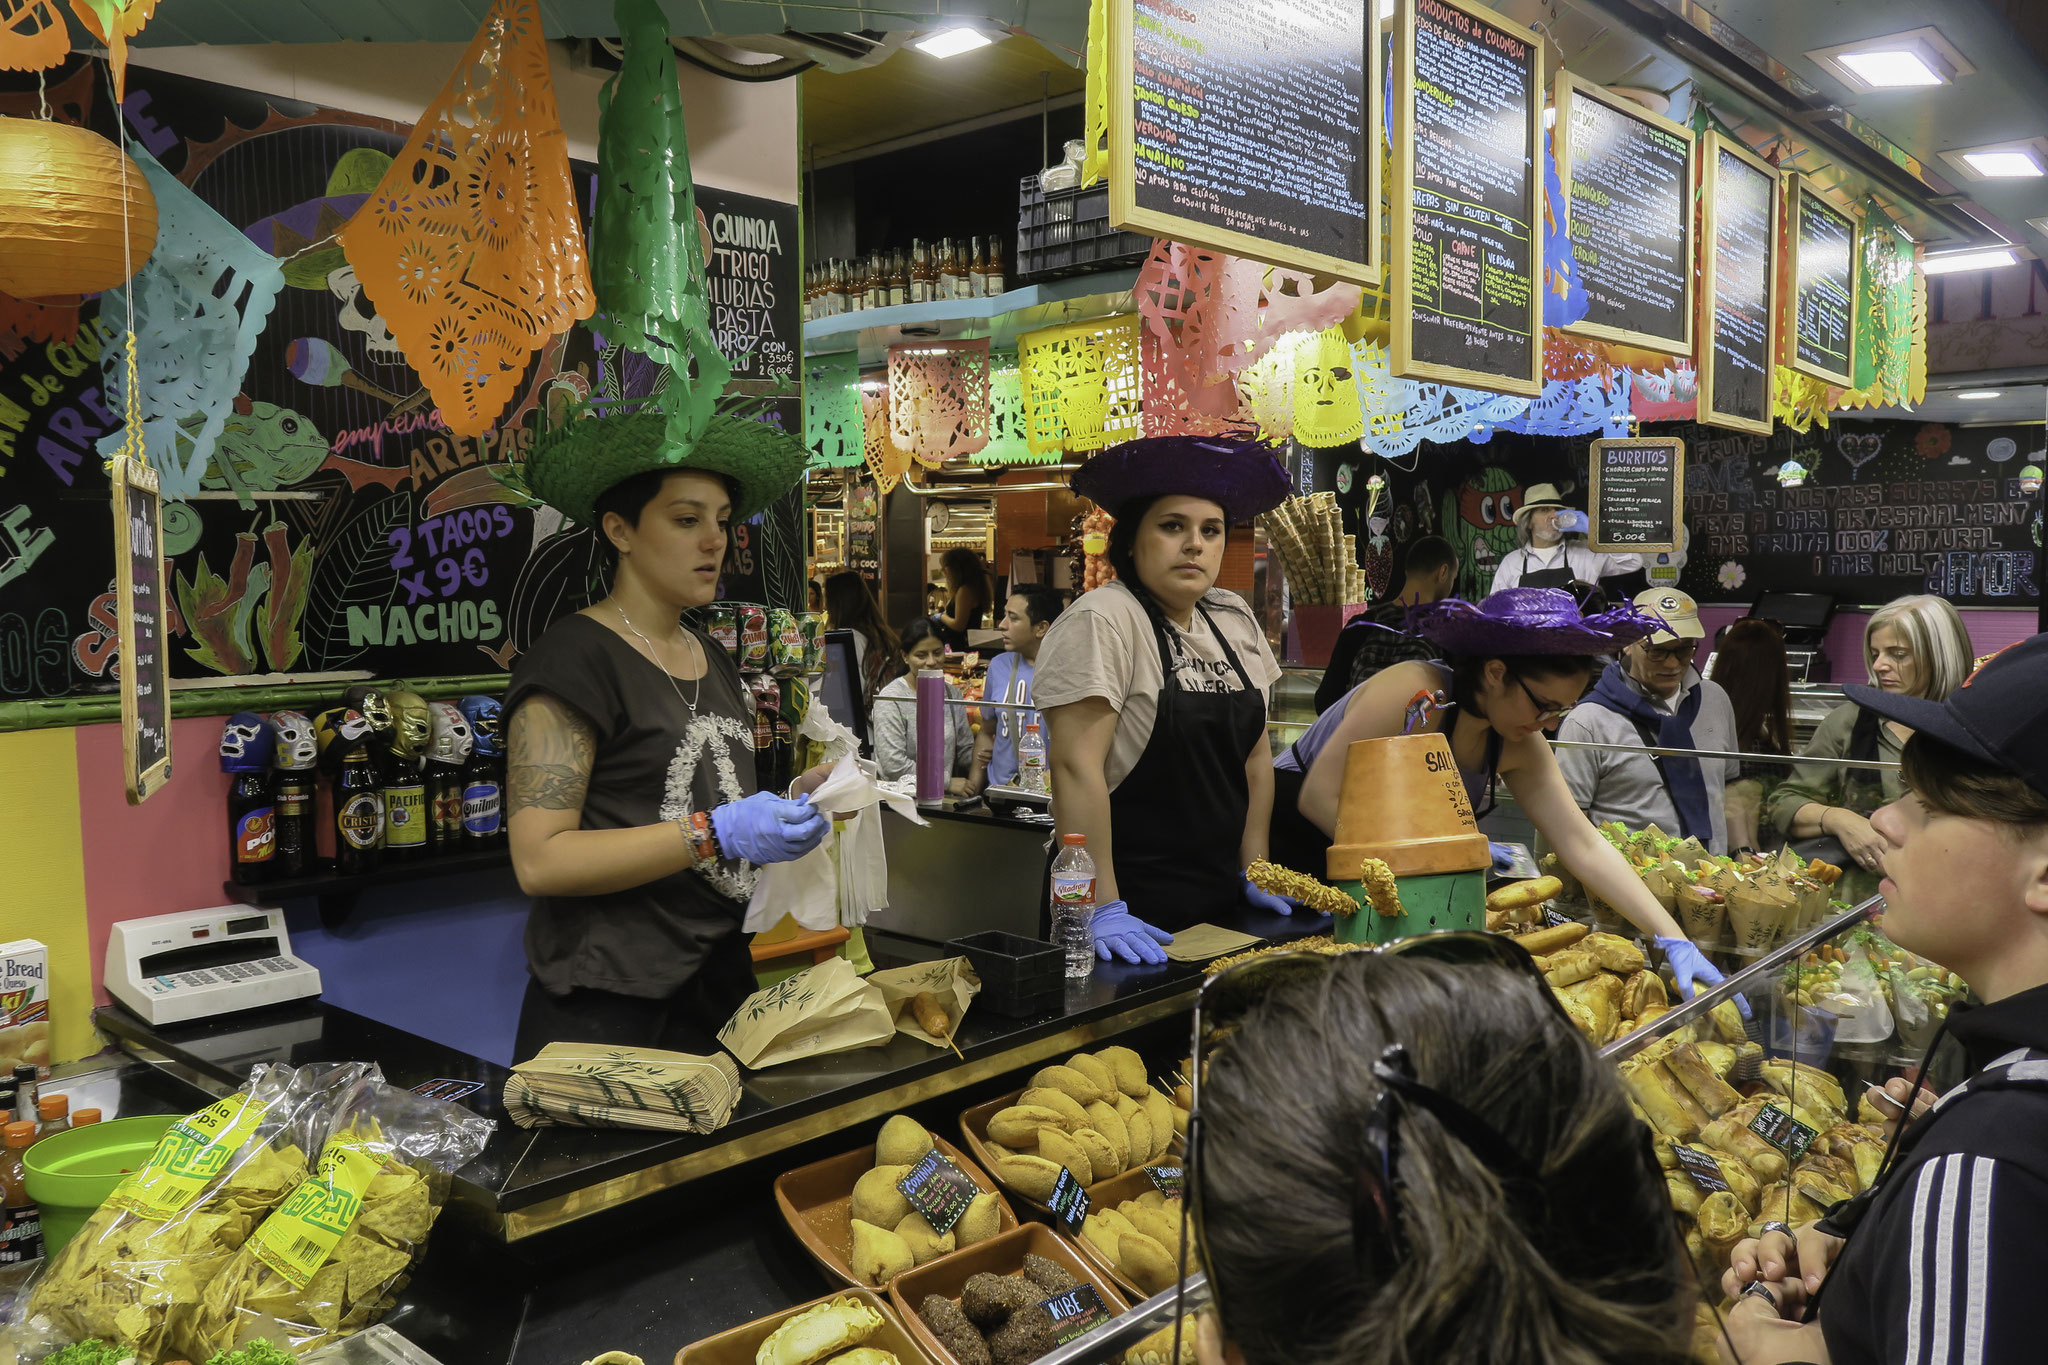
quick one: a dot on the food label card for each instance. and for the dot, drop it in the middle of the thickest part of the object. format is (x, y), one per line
(1076, 1313)
(939, 1190)
(1704, 1170)
(1069, 1202)
(1168, 1180)
(1782, 1131)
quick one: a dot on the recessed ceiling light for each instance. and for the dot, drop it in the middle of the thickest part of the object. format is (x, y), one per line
(1893, 68)
(951, 42)
(2005, 164)
(1950, 262)
(1894, 61)
(1977, 395)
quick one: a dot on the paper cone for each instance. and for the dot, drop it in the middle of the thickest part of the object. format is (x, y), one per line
(1704, 917)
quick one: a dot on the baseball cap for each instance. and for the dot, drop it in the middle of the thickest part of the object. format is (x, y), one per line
(1679, 613)
(1999, 716)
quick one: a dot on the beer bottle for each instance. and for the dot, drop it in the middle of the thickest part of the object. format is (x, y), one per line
(448, 753)
(292, 768)
(358, 814)
(483, 777)
(246, 745)
(405, 811)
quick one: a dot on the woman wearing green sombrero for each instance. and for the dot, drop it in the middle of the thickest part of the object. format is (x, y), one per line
(635, 825)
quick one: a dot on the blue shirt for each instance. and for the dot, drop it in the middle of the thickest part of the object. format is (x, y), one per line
(1009, 679)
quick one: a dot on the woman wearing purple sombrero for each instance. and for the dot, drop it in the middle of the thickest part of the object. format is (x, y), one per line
(1510, 666)
(1154, 690)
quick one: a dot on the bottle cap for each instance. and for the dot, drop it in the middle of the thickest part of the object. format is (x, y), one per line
(1031, 725)
(53, 1106)
(18, 1134)
(1074, 840)
(85, 1116)
(25, 1072)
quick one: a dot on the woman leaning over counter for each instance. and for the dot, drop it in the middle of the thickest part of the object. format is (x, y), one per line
(1154, 687)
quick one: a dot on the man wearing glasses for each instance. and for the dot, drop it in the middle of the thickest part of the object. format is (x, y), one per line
(1654, 698)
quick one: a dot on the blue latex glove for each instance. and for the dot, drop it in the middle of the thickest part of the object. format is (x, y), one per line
(1121, 934)
(1503, 860)
(1692, 971)
(1260, 899)
(766, 828)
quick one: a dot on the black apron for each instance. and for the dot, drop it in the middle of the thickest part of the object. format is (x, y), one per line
(1178, 816)
(1559, 577)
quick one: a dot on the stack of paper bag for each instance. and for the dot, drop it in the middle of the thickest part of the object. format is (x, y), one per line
(591, 1085)
(820, 1010)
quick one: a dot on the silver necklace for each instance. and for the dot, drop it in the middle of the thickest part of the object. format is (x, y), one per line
(689, 702)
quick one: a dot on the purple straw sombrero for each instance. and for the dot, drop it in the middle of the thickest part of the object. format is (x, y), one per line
(1527, 621)
(1242, 474)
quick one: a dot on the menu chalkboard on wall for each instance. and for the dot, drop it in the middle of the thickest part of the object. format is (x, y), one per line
(1821, 313)
(139, 589)
(1739, 227)
(1249, 128)
(1468, 197)
(1637, 498)
(1627, 177)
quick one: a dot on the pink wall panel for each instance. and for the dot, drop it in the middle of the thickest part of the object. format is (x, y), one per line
(169, 853)
(1990, 629)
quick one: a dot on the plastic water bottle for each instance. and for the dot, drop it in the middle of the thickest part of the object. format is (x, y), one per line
(1031, 761)
(1073, 904)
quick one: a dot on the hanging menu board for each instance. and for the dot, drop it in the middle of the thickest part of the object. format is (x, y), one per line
(1821, 313)
(1250, 128)
(1627, 178)
(1468, 198)
(139, 588)
(1739, 227)
(1637, 495)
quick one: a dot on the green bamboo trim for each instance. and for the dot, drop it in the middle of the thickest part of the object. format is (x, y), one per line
(51, 712)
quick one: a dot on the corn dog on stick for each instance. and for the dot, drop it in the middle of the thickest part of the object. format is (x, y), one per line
(1312, 894)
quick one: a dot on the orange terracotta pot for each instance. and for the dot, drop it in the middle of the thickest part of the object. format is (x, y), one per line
(1404, 803)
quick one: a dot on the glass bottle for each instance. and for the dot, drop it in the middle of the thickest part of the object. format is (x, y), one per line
(878, 280)
(920, 271)
(358, 815)
(993, 282)
(899, 278)
(21, 1223)
(53, 1115)
(977, 272)
(947, 269)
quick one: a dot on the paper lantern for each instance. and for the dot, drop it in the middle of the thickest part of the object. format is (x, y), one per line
(62, 197)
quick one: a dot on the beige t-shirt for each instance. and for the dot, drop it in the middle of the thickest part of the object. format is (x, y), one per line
(1103, 646)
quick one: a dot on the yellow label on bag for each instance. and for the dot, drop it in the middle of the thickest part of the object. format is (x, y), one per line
(296, 1240)
(192, 1153)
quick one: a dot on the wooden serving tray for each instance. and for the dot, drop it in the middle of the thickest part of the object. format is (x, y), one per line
(1003, 1255)
(974, 1131)
(1107, 1194)
(738, 1345)
(817, 1203)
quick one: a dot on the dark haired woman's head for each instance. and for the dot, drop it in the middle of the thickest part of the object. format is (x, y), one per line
(1750, 666)
(1583, 1270)
(1521, 694)
(850, 605)
(666, 529)
(923, 644)
(963, 567)
(1169, 548)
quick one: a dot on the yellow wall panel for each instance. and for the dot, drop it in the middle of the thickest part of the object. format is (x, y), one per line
(42, 888)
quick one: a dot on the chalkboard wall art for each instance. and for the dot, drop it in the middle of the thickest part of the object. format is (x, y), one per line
(1738, 270)
(1636, 498)
(137, 517)
(1467, 198)
(374, 541)
(1628, 183)
(1250, 128)
(1820, 313)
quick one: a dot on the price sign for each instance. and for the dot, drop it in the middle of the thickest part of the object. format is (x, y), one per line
(1637, 494)
(939, 1190)
(1076, 1313)
(1627, 177)
(1552, 917)
(1168, 1180)
(1069, 1202)
(1738, 332)
(1821, 314)
(1704, 1170)
(1234, 128)
(1782, 1131)
(139, 588)
(1468, 197)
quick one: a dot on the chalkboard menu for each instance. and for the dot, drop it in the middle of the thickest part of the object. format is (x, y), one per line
(139, 588)
(1822, 310)
(1739, 226)
(1627, 177)
(1468, 197)
(1637, 504)
(864, 533)
(1249, 128)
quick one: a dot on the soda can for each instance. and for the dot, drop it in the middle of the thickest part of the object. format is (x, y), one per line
(812, 624)
(753, 639)
(786, 644)
(725, 629)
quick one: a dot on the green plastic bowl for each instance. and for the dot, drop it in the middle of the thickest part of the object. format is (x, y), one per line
(70, 1174)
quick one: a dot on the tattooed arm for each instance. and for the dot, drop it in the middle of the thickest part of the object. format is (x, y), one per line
(547, 772)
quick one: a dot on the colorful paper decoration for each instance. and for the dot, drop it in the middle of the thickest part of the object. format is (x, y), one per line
(199, 305)
(32, 35)
(26, 320)
(1326, 404)
(64, 194)
(114, 22)
(1081, 384)
(938, 398)
(1893, 320)
(649, 242)
(1400, 414)
(832, 418)
(470, 246)
(1181, 398)
(888, 461)
(1252, 305)
(1564, 294)
(1265, 393)
(1095, 159)
(1577, 407)
(1008, 426)
(1669, 394)
(1175, 403)
(1799, 401)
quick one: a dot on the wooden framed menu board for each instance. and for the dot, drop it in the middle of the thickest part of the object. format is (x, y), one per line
(1820, 315)
(1636, 495)
(1249, 128)
(1738, 271)
(1627, 176)
(139, 588)
(1467, 197)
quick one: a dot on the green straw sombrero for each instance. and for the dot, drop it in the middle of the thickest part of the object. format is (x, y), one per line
(573, 464)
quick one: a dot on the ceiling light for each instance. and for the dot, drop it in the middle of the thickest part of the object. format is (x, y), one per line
(951, 42)
(2004, 163)
(1894, 68)
(1979, 395)
(2016, 158)
(1950, 262)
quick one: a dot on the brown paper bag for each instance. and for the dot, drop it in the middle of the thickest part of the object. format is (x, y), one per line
(1661, 886)
(952, 982)
(1702, 912)
(820, 1010)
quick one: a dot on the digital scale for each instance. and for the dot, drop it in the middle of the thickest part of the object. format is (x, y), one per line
(203, 963)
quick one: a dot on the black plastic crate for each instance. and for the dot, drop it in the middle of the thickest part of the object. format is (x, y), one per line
(1019, 975)
(1067, 232)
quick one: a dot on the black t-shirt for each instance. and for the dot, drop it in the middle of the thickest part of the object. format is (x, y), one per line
(654, 762)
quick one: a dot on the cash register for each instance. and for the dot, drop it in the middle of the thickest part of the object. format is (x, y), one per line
(197, 964)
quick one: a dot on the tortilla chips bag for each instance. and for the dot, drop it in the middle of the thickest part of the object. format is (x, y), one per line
(335, 1255)
(143, 1259)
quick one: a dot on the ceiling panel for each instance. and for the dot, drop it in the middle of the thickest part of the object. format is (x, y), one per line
(913, 93)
